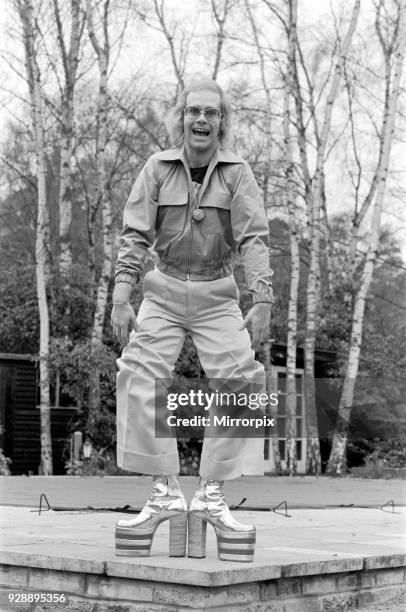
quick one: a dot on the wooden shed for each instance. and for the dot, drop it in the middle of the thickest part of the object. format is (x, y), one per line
(20, 417)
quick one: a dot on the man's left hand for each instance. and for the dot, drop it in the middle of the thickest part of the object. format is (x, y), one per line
(258, 319)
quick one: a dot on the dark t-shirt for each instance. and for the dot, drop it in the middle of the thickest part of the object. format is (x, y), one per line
(198, 174)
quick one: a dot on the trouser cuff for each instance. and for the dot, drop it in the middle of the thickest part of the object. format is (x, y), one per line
(148, 464)
(247, 465)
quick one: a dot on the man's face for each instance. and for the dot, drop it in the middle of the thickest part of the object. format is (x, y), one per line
(201, 133)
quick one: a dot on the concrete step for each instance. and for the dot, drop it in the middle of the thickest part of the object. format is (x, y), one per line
(310, 561)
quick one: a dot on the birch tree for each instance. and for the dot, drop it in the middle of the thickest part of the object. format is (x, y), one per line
(292, 88)
(69, 54)
(392, 40)
(266, 353)
(271, 387)
(313, 288)
(314, 195)
(101, 46)
(289, 191)
(294, 239)
(30, 37)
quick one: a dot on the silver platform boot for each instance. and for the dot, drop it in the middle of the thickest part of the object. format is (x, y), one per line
(166, 502)
(235, 541)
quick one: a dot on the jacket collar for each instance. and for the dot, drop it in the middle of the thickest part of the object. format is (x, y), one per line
(224, 156)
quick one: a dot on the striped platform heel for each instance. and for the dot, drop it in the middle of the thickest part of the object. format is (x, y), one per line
(134, 537)
(235, 541)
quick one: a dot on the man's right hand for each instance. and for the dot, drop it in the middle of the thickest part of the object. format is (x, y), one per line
(123, 320)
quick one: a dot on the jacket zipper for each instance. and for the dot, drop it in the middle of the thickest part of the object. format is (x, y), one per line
(192, 201)
(190, 204)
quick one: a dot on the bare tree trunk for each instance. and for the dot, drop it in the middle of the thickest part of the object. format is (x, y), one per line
(313, 445)
(268, 98)
(359, 214)
(70, 61)
(25, 10)
(337, 456)
(291, 397)
(65, 189)
(271, 382)
(271, 387)
(93, 207)
(220, 20)
(102, 50)
(291, 392)
(313, 284)
(176, 63)
(328, 243)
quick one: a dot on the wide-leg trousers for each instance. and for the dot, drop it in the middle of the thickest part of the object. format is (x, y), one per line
(210, 311)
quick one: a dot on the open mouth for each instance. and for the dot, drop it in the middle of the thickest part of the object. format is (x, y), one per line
(200, 132)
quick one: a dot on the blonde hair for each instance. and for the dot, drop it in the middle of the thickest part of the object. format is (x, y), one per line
(174, 120)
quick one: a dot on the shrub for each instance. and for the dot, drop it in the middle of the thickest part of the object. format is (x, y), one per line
(4, 461)
(4, 464)
(389, 453)
(189, 456)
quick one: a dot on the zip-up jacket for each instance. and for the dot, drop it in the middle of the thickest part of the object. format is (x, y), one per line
(159, 214)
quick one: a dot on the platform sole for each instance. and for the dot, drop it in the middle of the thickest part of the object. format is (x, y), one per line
(231, 545)
(137, 542)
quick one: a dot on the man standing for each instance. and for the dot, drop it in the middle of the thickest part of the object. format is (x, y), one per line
(198, 205)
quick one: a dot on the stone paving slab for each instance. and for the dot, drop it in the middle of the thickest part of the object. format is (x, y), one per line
(263, 491)
(309, 542)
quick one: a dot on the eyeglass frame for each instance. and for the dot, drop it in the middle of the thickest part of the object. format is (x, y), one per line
(204, 111)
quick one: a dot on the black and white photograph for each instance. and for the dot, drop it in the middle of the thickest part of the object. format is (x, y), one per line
(203, 305)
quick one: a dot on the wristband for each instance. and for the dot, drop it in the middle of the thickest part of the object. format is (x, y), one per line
(120, 303)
